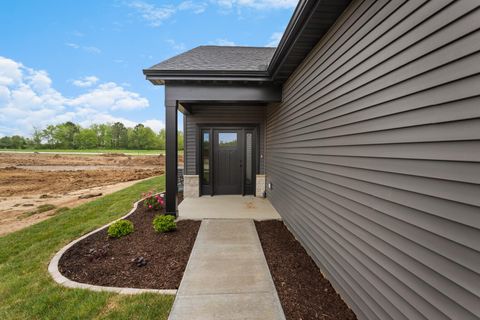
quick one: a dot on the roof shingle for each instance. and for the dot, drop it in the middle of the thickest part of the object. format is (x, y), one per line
(219, 58)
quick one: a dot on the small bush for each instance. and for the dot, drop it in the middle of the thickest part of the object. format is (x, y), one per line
(120, 228)
(154, 202)
(164, 223)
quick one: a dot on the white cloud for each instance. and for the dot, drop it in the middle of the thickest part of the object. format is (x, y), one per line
(154, 124)
(72, 45)
(92, 49)
(176, 45)
(85, 82)
(28, 99)
(9, 72)
(274, 39)
(104, 118)
(223, 42)
(257, 4)
(196, 7)
(89, 49)
(110, 96)
(155, 15)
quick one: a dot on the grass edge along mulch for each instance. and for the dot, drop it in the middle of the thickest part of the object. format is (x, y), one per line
(27, 290)
(101, 260)
(303, 291)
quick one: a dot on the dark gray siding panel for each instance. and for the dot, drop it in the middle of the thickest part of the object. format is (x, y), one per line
(374, 158)
(229, 115)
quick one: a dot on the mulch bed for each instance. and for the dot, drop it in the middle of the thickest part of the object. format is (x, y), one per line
(302, 289)
(104, 261)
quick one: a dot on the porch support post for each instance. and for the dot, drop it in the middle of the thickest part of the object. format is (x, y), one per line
(171, 161)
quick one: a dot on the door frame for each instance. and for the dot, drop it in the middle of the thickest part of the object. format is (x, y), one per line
(211, 127)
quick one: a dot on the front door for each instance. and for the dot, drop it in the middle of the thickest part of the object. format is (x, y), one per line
(228, 156)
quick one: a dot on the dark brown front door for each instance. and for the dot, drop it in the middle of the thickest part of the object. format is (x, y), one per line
(228, 154)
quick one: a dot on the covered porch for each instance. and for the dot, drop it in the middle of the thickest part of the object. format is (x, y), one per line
(222, 93)
(189, 97)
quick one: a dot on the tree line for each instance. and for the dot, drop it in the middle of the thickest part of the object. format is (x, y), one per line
(69, 135)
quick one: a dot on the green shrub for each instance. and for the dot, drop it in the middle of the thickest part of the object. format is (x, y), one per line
(120, 228)
(164, 223)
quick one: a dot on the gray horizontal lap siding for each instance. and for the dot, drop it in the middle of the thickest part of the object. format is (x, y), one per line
(374, 158)
(221, 115)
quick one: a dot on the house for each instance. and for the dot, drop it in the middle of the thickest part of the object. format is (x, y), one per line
(363, 130)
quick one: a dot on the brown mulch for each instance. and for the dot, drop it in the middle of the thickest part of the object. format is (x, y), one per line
(302, 289)
(104, 261)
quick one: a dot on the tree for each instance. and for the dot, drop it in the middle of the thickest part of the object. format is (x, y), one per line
(104, 135)
(180, 140)
(37, 137)
(161, 140)
(86, 139)
(142, 138)
(69, 135)
(48, 134)
(119, 136)
(64, 135)
(17, 142)
(5, 142)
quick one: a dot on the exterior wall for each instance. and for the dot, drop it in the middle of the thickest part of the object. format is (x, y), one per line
(374, 158)
(220, 115)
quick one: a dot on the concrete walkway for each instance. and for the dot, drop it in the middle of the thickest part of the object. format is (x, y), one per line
(227, 276)
(227, 207)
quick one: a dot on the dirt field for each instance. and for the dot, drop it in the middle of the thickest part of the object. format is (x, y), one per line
(28, 181)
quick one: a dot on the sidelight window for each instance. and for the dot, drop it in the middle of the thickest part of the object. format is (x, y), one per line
(206, 158)
(248, 158)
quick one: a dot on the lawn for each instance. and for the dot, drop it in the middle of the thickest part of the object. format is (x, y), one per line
(86, 151)
(26, 288)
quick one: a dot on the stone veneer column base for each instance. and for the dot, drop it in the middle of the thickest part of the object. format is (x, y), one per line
(260, 186)
(191, 188)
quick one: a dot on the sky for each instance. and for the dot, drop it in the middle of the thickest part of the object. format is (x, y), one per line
(82, 61)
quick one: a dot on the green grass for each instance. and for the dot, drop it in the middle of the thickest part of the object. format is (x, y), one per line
(125, 151)
(26, 288)
(40, 209)
(62, 210)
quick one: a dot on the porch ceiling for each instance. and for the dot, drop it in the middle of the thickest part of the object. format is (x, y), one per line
(186, 94)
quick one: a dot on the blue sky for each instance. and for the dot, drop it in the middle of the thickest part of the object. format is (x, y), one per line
(81, 60)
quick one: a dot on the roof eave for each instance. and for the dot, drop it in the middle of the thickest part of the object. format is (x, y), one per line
(294, 27)
(161, 76)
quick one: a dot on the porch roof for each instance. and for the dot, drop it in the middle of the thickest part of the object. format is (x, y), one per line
(309, 23)
(219, 58)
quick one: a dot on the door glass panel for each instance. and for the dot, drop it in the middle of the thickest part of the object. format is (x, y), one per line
(227, 139)
(248, 160)
(206, 158)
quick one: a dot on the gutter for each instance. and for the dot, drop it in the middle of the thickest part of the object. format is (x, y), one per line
(302, 14)
(160, 76)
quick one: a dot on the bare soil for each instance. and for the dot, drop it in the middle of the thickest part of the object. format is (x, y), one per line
(142, 259)
(303, 291)
(15, 181)
(30, 180)
(112, 159)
